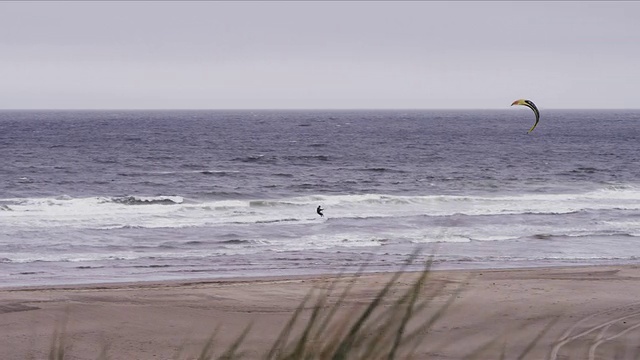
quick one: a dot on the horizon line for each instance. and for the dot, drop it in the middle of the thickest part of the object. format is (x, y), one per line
(292, 109)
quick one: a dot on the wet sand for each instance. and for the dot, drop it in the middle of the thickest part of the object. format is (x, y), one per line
(580, 312)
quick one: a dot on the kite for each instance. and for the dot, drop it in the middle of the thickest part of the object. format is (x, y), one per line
(530, 105)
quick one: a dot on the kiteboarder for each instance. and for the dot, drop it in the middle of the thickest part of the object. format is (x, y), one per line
(319, 211)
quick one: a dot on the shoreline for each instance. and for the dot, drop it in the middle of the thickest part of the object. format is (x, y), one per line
(250, 278)
(574, 307)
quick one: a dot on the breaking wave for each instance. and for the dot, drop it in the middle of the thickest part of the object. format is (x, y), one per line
(158, 200)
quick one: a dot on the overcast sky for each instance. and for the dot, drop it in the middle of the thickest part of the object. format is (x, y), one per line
(322, 54)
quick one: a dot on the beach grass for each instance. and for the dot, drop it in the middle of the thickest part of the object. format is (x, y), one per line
(391, 325)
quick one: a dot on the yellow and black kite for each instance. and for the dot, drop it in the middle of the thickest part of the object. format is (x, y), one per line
(532, 106)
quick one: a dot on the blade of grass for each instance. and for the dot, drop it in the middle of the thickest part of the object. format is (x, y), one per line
(415, 335)
(286, 330)
(230, 353)
(413, 293)
(339, 302)
(183, 345)
(345, 346)
(205, 353)
(394, 320)
(302, 342)
(320, 334)
(331, 343)
(535, 340)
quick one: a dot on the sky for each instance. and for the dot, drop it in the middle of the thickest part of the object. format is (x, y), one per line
(318, 54)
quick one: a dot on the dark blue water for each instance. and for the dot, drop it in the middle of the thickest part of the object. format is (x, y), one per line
(90, 196)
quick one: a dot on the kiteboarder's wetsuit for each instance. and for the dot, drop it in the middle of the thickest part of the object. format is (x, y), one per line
(319, 211)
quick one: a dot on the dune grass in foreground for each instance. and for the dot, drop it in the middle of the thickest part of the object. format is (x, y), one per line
(384, 328)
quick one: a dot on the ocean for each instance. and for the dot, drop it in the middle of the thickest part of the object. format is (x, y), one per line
(112, 196)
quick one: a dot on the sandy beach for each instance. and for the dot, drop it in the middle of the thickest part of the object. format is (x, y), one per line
(581, 312)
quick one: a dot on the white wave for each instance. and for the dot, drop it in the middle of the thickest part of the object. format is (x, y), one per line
(175, 212)
(148, 200)
(68, 256)
(628, 226)
(92, 212)
(42, 257)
